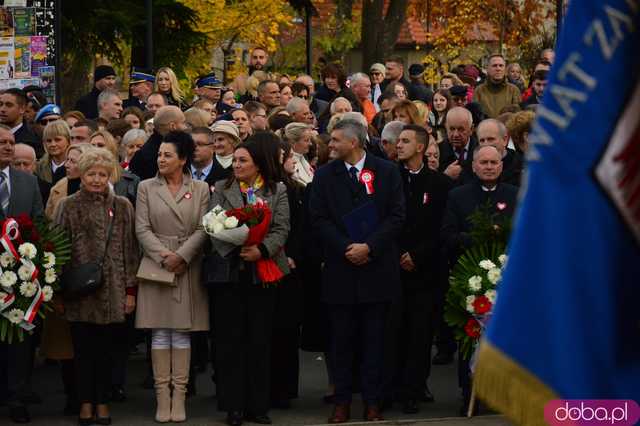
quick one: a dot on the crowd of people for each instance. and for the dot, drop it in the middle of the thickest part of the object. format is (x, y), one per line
(371, 179)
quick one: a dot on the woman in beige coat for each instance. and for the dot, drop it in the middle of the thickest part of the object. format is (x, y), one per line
(169, 211)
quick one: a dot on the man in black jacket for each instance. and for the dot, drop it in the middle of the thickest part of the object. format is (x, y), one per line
(140, 87)
(13, 103)
(144, 163)
(357, 212)
(494, 132)
(104, 77)
(486, 189)
(456, 152)
(425, 194)
(395, 74)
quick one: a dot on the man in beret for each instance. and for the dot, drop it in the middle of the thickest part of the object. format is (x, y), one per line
(140, 87)
(104, 77)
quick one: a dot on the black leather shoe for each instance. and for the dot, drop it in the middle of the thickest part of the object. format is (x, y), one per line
(261, 420)
(410, 406)
(118, 394)
(427, 396)
(442, 358)
(234, 418)
(103, 421)
(19, 414)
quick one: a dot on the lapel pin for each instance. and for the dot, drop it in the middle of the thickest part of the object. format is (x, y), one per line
(367, 177)
(501, 206)
(187, 195)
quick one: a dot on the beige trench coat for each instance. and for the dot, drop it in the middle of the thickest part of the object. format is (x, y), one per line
(165, 222)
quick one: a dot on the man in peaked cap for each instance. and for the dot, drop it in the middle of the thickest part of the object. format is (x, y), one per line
(209, 87)
(140, 87)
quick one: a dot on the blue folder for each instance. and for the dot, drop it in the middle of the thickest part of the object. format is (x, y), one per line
(361, 222)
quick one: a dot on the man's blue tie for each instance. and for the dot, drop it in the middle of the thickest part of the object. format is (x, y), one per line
(353, 172)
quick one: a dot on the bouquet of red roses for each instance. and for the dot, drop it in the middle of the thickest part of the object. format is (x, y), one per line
(244, 226)
(31, 257)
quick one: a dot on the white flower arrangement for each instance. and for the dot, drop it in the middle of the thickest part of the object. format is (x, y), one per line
(492, 295)
(47, 293)
(475, 283)
(28, 250)
(8, 279)
(494, 275)
(24, 273)
(7, 260)
(50, 276)
(231, 222)
(486, 264)
(28, 289)
(503, 260)
(16, 316)
(49, 260)
(470, 300)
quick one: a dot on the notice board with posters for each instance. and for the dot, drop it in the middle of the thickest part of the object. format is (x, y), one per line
(28, 45)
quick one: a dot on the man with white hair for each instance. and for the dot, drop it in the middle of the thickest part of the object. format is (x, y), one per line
(109, 105)
(456, 152)
(389, 138)
(361, 87)
(340, 105)
(299, 111)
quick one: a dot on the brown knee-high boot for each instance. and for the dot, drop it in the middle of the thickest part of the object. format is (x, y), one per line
(161, 362)
(179, 378)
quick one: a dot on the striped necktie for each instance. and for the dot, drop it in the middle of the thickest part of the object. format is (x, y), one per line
(4, 193)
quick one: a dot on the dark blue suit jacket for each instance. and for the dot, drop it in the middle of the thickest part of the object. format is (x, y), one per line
(333, 195)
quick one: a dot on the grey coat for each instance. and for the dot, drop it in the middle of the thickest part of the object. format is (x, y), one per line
(24, 196)
(231, 198)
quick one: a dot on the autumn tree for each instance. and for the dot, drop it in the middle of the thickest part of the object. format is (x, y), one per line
(380, 28)
(227, 22)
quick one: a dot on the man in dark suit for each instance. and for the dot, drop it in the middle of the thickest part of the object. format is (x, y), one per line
(357, 211)
(144, 163)
(494, 132)
(456, 152)
(19, 194)
(13, 103)
(140, 87)
(425, 194)
(486, 189)
(104, 77)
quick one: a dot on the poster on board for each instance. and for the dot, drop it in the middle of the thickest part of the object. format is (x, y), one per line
(22, 51)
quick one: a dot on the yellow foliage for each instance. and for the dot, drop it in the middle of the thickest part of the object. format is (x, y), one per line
(255, 22)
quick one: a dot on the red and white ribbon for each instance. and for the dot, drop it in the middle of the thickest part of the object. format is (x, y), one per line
(366, 178)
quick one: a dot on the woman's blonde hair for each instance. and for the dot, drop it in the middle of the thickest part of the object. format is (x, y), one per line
(57, 128)
(197, 117)
(454, 78)
(80, 147)
(176, 91)
(110, 145)
(293, 132)
(97, 157)
(423, 111)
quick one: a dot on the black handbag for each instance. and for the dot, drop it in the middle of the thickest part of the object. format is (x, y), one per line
(86, 279)
(218, 270)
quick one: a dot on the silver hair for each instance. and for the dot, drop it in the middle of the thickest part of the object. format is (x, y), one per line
(357, 117)
(357, 77)
(106, 95)
(332, 107)
(296, 104)
(352, 129)
(132, 135)
(465, 111)
(392, 131)
(502, 129)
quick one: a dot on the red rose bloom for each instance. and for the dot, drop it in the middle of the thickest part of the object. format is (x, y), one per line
(482, 305)
(473, 329)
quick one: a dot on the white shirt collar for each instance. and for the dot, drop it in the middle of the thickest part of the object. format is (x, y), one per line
(205, 171)
(359, 165)
(55, 166)
(15, 129)
(485, 189)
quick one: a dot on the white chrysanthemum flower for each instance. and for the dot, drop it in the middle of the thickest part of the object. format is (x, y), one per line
(49, 260)
(50, 276)
(7, 259)
(475, 283)
(503, 259)
(8, 279)
(217, 227)
(28, 289)
(217, 210)
(47, 293)
(231, 222)
(491, 295)
(494, 275)
(24, 273)
(16, 316)
(222, 216)
(28, 250)
(487, 264)
(470, 300)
